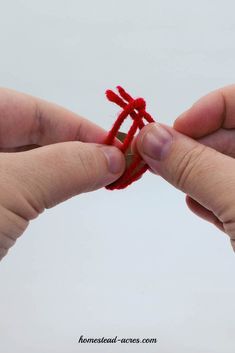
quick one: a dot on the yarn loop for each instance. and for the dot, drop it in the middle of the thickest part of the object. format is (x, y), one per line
(135, 108)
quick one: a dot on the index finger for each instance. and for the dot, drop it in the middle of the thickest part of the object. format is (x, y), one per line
(214, 111)
(26, 120)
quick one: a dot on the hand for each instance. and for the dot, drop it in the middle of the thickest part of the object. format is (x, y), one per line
(38, 168)
(202, 163)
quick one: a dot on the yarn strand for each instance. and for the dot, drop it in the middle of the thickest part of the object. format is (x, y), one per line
(135, 108)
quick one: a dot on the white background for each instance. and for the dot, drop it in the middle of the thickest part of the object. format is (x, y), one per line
(132, 263)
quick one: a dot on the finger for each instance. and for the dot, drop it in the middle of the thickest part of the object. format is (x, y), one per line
(233, 244)
(12, 225)
(203, 213)
(222, 140)
(3, 253)
(54, 173)
(27, 120)
(19, 149)
(6, 242)
(199, 171)
(215, 110)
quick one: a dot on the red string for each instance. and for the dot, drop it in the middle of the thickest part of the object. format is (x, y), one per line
(135, 108)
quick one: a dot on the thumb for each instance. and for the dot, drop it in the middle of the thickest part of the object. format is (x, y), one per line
(203, 173)
(54, 173)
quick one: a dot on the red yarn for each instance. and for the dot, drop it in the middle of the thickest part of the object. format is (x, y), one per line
(136, 109)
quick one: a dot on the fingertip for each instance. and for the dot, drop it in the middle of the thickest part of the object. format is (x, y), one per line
(203, 117)
(115, 159)
(136, 143)
(203, 212)
(180, 121)
(143, 131)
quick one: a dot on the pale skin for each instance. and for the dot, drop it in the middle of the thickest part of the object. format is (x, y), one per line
(197, 157)
(70, 160)
(49, 154)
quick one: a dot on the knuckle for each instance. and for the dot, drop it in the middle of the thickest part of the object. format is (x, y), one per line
(89, 167)
(3, 252)
(6, 241)
(188, 166)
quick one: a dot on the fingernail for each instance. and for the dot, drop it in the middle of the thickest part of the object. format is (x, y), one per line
(115, 159)
(157, 142)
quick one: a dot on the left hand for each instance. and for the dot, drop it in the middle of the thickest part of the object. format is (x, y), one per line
(47, 155)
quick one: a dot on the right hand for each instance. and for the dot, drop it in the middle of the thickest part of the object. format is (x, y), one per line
(197, 156)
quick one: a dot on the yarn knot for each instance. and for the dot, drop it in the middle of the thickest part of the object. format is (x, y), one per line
(139, 103)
